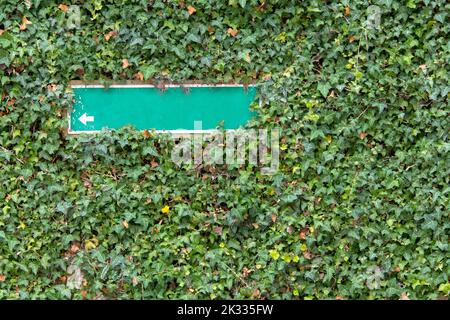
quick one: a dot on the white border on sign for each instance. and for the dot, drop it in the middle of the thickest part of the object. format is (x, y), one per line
(173, 132)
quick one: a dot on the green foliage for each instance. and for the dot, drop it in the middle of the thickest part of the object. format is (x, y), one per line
(358, 209)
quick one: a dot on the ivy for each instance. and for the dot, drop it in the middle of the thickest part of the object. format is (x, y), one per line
(358, 209)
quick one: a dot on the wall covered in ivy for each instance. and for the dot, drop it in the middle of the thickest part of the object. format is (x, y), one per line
(359, 207)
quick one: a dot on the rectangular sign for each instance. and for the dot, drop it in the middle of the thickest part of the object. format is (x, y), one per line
(175, 108)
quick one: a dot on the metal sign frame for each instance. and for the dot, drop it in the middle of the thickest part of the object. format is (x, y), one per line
(137, 84)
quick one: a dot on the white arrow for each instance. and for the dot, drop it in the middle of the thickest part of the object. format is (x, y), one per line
(85, 118)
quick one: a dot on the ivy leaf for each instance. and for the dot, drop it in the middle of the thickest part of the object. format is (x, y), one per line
(324, 88)
(149, 150)
(148, 71)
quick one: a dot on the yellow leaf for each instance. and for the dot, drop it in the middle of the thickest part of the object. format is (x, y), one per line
(91, 244)
(165, 209)
(274, 254)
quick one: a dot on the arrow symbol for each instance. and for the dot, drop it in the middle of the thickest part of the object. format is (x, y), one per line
(85, 118)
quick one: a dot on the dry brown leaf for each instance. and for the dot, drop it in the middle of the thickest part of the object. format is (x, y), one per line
(11, 102)
(80, 72)
(134, 281)
(246, 271)
(2, 278)
(62, 279)
(274, 218)
(351, 39)
(139, 76)
(125, 224)
(125, 63)
(146, 134)
(191, 10)
(1, 31)
(303, 233)
(232, 32)
(154, 164)
(362, 135)
(347, 11)
(24, 24)
(218, 230)
(64, 8)
(404, 296)
(110, 35)
(307, 255)
(75, 247)
(247, 57)
(52, 87)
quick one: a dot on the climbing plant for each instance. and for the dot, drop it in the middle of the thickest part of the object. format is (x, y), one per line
(359, 207)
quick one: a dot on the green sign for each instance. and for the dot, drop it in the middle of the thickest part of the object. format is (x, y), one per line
(173, 108)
